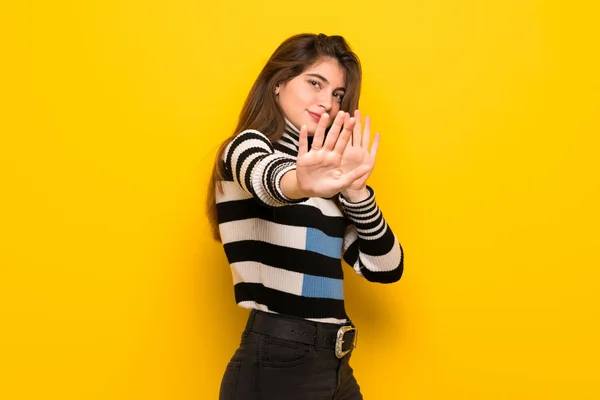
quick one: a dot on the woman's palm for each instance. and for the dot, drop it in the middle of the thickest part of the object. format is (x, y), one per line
(357, 152)
(334, 163)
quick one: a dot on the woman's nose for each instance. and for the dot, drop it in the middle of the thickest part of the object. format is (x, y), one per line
(325, 100)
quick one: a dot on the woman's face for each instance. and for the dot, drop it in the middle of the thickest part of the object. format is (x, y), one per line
(317, 90)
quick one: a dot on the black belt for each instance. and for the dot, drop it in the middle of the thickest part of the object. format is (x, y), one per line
(341, 338)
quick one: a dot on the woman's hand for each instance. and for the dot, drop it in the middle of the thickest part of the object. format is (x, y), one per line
(357, 155)
(326, 169)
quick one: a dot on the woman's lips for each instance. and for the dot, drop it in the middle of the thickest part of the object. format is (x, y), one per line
(314, 116)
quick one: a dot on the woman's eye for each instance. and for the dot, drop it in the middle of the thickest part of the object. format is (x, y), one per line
(338, 96)
(314, 83)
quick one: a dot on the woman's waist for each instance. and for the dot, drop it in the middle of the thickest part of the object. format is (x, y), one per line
(339, 337)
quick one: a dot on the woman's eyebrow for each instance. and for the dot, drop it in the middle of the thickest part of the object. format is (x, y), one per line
(325, 80)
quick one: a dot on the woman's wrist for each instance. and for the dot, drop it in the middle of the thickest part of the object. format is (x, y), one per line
(289, 186)
(356, 195)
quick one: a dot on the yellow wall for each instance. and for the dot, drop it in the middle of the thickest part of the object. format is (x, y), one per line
(111, 288)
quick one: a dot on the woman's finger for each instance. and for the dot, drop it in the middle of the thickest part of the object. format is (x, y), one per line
(345, 135)
(366, 139)
(375, 146)
(356, 135)
(319, 135)
(334, 131)
(358, 173)
(303, 142)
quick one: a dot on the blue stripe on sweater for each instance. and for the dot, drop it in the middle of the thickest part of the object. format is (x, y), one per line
(319, 242)
(322, 287)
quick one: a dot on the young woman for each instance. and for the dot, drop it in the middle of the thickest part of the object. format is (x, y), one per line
(288, 199)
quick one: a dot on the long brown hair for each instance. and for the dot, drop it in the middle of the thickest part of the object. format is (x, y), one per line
(262, 112)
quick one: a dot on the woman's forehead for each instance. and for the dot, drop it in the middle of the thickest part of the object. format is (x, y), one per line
(328, 70)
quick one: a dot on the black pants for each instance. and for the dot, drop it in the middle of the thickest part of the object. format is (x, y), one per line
(287, 358)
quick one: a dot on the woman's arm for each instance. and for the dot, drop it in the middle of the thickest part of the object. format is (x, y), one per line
(370, 246)
(277, 180)
(251, 162)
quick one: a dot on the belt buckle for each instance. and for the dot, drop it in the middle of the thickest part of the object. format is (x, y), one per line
(339, 340)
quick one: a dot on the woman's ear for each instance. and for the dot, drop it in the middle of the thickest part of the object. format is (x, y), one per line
(276, 90)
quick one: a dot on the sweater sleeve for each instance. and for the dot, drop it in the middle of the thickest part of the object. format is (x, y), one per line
(370, 247)
(251, 162)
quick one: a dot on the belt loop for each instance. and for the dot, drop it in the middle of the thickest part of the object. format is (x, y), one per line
(250, 320)
(319, 334)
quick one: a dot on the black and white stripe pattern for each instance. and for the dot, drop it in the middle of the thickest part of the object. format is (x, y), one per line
(370, 246)
(285, 255)
(253, 164)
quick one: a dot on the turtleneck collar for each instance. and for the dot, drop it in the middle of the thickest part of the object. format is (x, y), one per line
(294, 133)
(292, 130)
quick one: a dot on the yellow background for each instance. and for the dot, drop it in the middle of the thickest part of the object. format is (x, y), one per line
(111, 288)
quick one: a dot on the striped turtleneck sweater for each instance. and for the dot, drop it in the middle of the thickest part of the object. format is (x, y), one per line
(285, 255)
